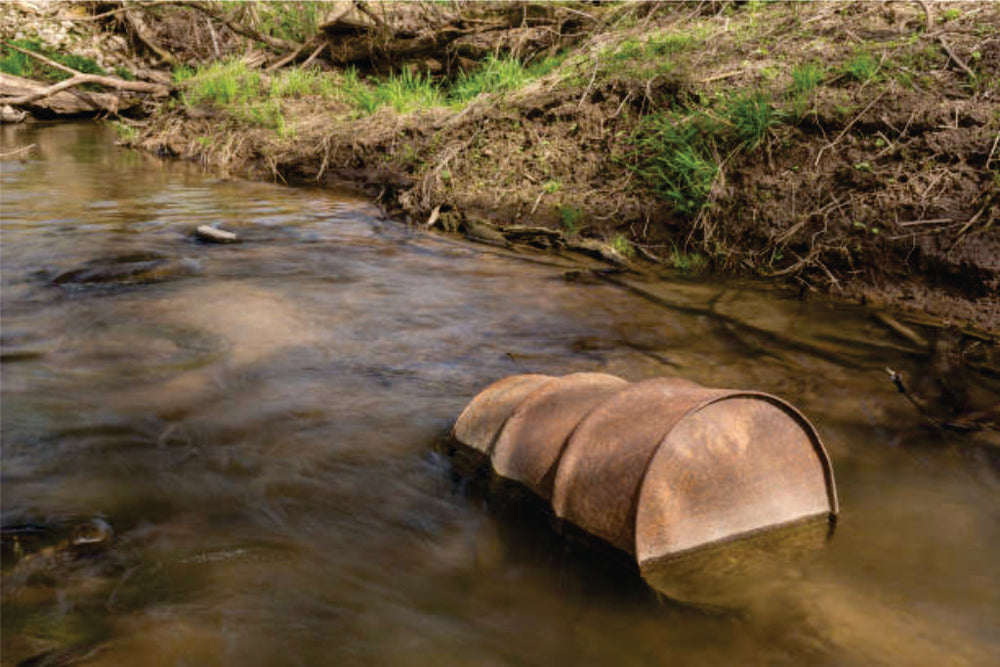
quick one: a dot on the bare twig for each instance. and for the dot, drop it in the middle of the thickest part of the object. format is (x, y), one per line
(281, 62)
(142, 31)
(597, 62)
(972, 221)
(900, 328)
(315, 54)
(718, 77)
(958, 61)
(17, 151)
(933, 221)
(993, 150)
(241, 29)
(215, 38)
(433, 217)
(849, 126)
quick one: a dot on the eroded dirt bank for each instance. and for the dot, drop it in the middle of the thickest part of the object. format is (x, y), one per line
(842, 147)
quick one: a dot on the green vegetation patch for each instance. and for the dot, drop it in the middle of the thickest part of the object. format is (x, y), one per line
(404, 91)
(497, 75)
(294, 21)
(675, 158)
(676, 152)
(649, 57)
(20, 64)
(750, 116)
(296, 82)
(862, 66)
(806, 77)
(223, 83)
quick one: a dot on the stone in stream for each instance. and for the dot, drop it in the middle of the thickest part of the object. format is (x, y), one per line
(9, 114)
(215, 235)
(134, 268)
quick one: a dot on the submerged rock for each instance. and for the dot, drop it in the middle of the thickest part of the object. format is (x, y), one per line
(138, 268)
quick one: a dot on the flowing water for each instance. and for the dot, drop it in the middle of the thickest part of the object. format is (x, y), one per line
(256, 423)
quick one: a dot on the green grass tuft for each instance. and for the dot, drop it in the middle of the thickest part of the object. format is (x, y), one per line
(751, 115)
(676, 153)
(404, 92)
(861, 67)
(687, 262)
(674, 159)
(497, 75)
(295, 82)
(570, 218)
(621, 245)
(806, 77)
(408, 91)
(294, 21)
(223, 83)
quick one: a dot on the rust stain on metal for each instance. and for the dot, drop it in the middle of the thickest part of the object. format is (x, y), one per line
(730, 467)
(531, 442)
(604, 463)
(657, 468)
(480, 422)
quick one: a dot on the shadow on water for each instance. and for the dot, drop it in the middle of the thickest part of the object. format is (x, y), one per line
(255, 424)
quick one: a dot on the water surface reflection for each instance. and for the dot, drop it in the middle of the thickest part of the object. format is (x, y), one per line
(256, 422)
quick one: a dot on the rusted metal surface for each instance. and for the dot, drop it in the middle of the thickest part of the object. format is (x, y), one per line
(658, 468)
(531, 442)
(596, 486)
(478, 425)
(735, 465)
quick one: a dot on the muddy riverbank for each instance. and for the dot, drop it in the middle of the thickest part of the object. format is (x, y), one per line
(846, 148)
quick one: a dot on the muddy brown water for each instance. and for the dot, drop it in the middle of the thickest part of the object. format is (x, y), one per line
(257, 424)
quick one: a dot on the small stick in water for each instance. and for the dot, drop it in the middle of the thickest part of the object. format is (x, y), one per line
(213, 235)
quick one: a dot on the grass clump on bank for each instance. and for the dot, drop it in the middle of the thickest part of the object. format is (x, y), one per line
(678, 153)
(222, 84)
(404, 91)
(248, 95)
(675, 158)
(497, 75)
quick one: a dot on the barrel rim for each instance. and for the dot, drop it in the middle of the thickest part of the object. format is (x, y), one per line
(545, 379)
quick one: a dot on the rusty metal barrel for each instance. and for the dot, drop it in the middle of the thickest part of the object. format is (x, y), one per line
(657, 468)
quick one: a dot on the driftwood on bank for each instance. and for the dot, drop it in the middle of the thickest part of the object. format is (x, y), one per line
(60, 98)
(522, 29)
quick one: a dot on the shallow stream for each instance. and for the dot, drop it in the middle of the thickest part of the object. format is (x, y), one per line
(257, 422)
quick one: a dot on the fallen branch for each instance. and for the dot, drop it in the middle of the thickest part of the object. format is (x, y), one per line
(315, 54)
(79, 80)
(281, 62)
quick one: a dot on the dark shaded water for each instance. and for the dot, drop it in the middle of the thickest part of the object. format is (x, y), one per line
(256, 422)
